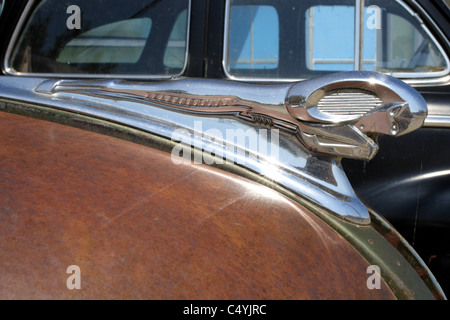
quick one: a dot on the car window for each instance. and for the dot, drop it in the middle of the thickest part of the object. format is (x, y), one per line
(259, 34)
(146, 37)
(302, 39)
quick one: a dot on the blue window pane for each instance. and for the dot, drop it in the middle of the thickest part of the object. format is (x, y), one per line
(253, 37)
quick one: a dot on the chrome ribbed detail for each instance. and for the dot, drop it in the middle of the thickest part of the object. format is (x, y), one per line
(348, 102)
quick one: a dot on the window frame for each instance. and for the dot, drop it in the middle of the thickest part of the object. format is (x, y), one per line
(19, 29)
(413, 78)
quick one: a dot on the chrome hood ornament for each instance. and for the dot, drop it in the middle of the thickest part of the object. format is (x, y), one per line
(339, 114)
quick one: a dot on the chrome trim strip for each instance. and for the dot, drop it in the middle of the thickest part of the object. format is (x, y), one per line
(359, 35)
(435, 121)
(226, 41)
(442, 81)
(411, 78)
(320, 180)
(21, 24)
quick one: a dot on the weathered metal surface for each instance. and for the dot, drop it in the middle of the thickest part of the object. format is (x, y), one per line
(140, 227)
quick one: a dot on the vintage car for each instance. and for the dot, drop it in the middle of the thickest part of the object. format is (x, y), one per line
(199, 149)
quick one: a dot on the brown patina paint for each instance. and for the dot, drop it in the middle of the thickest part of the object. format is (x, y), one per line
(140, 227)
